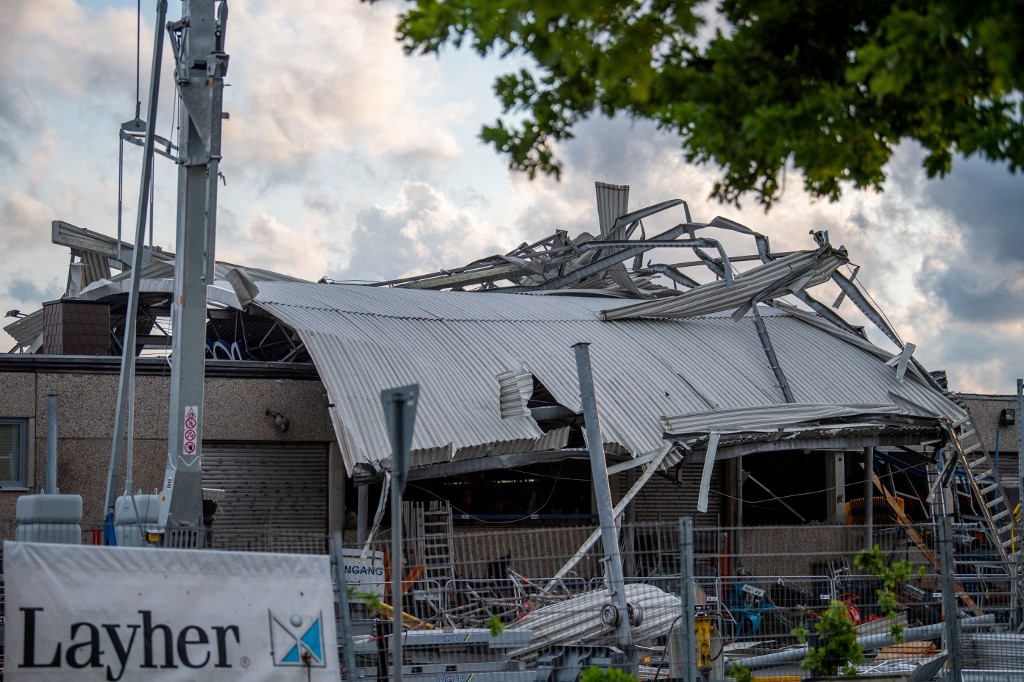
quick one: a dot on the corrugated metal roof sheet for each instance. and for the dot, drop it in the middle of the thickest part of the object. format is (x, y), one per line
(456, 345)
(777, 278)
(766, 419)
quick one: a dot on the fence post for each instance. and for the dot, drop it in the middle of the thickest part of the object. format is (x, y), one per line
(338, 553)
(686, 623)
(949, 598)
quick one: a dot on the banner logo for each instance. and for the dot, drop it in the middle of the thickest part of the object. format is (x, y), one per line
(297, 640)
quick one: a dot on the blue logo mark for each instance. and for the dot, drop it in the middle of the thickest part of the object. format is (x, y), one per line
(297, 641)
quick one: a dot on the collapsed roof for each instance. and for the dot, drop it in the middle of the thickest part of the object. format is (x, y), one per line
(680, 365)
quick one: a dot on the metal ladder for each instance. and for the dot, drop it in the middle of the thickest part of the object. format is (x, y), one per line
(432, 529)
(992, 507)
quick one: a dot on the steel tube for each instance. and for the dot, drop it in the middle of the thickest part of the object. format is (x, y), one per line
(124, 387)
(869, 642)
(396, 580)
(951, 630)
(603, 498)
(869, 498)
(337, 548)
(687, 624)
(51, 445)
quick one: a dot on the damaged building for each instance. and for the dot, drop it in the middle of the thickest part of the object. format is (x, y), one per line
(727, 390)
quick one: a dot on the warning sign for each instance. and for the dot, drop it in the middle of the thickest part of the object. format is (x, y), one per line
(191, 430)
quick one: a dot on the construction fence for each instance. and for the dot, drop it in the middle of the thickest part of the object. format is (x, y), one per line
(488, 602)
(535, 603)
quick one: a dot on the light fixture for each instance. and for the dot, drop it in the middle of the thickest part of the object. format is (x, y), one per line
(1008, 417)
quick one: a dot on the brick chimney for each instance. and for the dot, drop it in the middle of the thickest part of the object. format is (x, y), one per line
(75, 327)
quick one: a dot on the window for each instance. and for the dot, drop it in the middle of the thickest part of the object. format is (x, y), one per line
(13, 434)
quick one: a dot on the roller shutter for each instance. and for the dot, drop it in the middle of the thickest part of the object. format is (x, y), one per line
(663, 501)
(268, 487)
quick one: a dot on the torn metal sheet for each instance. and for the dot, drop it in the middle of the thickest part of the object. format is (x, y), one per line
(719, 296)
(772, 418)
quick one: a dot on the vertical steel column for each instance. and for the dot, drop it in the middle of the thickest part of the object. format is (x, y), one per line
(362, 513)
(949, 598)
(869, 498)
(199, 70)
(687, 624)
(338, 550)
(603, 497)
(50, 487)
(126, 382)
(396, 580)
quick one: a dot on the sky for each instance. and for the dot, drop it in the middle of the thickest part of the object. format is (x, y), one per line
(346, 158)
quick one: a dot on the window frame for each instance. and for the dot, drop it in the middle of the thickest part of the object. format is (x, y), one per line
(22, 440)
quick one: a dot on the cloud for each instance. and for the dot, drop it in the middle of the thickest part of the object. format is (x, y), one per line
(334, 82)
(422, 231)
(262, 240)
(21, 220)
(31, 292)
(985, 204)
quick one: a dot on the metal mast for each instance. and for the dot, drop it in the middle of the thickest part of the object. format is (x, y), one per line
(200, 64)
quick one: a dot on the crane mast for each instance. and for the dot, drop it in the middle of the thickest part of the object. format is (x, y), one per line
(200, 65)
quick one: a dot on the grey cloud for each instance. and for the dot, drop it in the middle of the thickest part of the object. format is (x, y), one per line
(987, 203)
(976, 293)
(25, 291)
(977, 358)
(421, 233)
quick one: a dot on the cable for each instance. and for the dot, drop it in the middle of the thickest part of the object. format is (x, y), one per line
(138, 56)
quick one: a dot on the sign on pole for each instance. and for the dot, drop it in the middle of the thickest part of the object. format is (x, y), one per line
(400, 415)
(190, 430)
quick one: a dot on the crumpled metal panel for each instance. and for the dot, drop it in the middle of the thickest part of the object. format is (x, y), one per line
(455, 344)
(766, 419)
(784, 276)
(515, 389)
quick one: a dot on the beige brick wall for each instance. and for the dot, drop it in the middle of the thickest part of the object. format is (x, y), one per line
(235, 409)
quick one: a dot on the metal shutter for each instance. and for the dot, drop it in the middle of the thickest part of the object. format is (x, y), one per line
(664, 501)
(268, 487)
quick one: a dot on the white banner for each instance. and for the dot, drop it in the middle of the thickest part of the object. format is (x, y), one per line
(124, 613)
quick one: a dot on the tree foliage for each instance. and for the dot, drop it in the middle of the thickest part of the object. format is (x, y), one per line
(829, 88)
(837, 650)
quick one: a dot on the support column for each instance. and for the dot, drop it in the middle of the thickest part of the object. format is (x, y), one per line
(836, 482)
(335, 490)
(869, 498)
(362, 514)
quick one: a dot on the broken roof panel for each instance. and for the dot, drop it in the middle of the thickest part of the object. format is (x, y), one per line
(457, 346)
(781, 277)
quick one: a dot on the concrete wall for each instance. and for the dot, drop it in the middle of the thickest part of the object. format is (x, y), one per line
(235, 409)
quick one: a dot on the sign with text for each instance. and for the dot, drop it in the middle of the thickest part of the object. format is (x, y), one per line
(123, 613)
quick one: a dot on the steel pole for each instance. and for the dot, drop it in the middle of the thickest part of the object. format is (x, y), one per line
(338, 549)
(51, 445)
(603, 497)
(396, 580)
(687, 624)
(869, 498)
(126, 382)
(949, 599)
